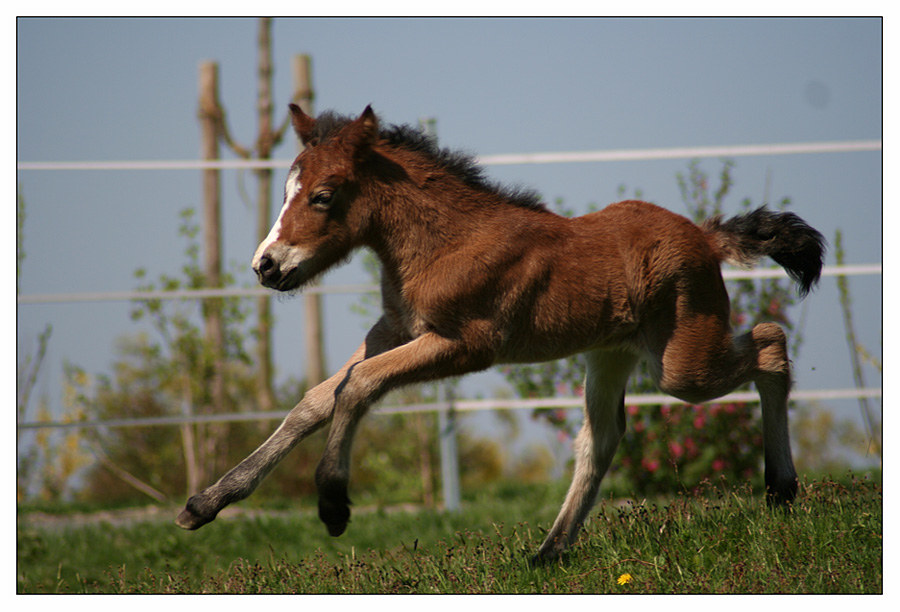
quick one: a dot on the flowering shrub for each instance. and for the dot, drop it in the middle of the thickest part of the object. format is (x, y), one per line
(670, 448)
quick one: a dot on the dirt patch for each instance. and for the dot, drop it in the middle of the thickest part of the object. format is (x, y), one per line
(131, 516)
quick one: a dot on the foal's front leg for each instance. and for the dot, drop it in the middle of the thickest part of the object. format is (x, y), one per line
(308, 416)
(428, 357)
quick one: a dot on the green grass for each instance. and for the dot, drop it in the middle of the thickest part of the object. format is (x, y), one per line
(724, 541)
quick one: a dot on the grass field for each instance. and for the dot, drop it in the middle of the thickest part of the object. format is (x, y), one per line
(723, 541)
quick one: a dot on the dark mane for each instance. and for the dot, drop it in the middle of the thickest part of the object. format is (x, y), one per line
(458, 163)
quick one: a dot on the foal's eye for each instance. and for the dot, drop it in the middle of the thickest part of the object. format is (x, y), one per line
(322, 199)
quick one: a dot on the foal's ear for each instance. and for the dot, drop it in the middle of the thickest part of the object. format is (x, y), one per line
(365, 129)
(303, 124)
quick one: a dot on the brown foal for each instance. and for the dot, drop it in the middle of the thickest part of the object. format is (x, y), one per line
(475, 275)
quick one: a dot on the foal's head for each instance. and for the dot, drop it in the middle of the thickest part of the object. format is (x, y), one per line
(317, 226)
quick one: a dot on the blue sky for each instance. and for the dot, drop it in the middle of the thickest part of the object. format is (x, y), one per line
(126, 89)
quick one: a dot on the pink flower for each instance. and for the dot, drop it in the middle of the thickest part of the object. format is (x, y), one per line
(651, 465)
(631, 410)
(676, 449)
(699, 422)
(691, 447)
(718, 464)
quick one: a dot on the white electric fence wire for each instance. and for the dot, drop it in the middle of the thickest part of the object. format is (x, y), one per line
(204, 294)
(505, 159)
(458, 405)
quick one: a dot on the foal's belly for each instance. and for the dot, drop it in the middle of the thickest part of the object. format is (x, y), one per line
(531, 346)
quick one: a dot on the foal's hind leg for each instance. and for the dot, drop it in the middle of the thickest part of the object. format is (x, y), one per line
(701, 362)
(604, 425)
(773, 381)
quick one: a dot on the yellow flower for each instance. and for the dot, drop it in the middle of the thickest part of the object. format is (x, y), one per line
(624, 579)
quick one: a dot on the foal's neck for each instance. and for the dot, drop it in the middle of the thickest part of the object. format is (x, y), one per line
(431, 214)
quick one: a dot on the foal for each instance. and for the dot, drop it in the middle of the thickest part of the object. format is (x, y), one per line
(474, 275)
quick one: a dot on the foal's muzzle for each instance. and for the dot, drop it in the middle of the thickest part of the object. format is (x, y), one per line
(281, 267)
(267, 271)
(270, 274)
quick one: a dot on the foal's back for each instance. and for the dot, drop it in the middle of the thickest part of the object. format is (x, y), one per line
(596, 281)
(651, 240)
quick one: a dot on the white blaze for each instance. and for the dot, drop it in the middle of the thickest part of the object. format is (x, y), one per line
(292, 185)
(291, 188)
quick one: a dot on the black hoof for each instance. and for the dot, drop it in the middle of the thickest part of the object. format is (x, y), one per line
(547, 559)
(781, 494)
(192, 517)
(335, 515)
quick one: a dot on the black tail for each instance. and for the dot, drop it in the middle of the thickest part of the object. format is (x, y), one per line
(783, 236)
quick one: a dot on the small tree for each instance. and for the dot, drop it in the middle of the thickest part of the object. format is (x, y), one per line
(166, 376)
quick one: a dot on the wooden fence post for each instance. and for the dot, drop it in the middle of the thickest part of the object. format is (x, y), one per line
(212, 241)
(265, 142)
(449, 451)
(446, 415)
(312, 302)
(209, 115)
